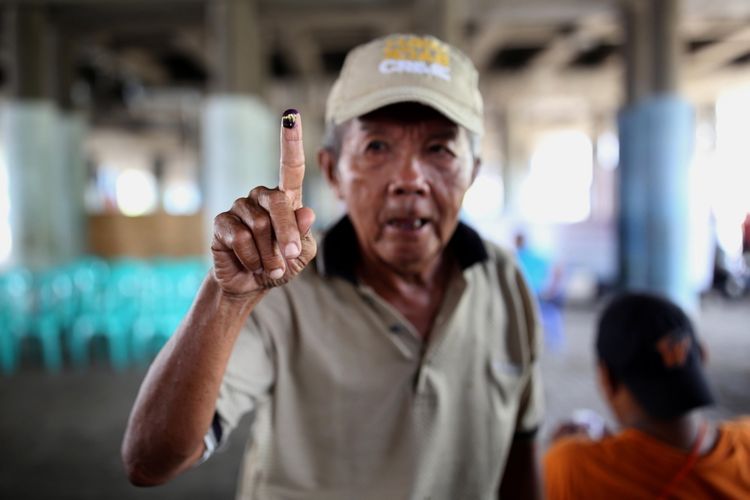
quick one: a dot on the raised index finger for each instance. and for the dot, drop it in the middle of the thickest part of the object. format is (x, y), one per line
(292, 170)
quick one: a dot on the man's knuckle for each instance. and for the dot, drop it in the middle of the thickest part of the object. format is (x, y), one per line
(250, 259)
(254, 261)
(239, 205)
(257, 191)
(270, 264)
(261, 224)
(242, 239)
(221, 219)
(293, 161)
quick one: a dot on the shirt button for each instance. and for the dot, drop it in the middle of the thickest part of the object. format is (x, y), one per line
(395, 328)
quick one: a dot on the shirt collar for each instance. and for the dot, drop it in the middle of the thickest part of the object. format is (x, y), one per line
(339, 251)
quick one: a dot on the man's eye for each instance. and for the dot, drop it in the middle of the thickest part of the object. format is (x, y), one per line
(440, 149)
(376, 146)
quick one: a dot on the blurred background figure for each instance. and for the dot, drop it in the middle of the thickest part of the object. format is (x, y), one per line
(650, 369)
(545, 279)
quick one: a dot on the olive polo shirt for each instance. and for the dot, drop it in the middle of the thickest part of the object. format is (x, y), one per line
(351, 403)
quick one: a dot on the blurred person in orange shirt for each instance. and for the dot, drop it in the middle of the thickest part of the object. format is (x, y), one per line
(651, 373)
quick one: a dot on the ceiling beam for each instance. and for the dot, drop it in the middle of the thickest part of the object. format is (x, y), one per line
(488, 40)
(302, 52)
(719, 54)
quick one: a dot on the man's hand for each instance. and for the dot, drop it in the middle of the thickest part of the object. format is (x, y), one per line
(264, 240)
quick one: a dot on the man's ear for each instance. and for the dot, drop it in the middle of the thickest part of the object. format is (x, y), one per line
(475, 171)
(327, 164)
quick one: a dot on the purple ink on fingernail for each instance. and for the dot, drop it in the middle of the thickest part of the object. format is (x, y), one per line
(289, 118)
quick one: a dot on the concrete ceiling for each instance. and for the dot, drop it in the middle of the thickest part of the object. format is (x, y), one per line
(124, 44)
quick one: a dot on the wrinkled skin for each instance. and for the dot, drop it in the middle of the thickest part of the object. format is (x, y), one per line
(402, 172)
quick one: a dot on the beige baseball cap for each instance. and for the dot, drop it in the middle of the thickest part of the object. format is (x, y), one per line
(407, 68)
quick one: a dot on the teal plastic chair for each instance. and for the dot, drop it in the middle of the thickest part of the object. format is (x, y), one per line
(15, 313)
(171, 290)
(150, 333)
(46, 328)
(113, 327)
(89, 276)
(110, 313)
(53, 314)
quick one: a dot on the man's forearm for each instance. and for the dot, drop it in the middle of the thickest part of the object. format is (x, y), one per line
(177, 398)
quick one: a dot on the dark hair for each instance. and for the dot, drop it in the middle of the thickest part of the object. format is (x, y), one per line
(649, 344)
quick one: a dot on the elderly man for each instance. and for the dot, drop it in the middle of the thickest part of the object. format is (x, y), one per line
(398, 362)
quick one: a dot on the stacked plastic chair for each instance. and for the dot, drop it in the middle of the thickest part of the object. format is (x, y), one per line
(15, 311)
(131, 306)
(109, 313)
(53, 313)
(167, 298)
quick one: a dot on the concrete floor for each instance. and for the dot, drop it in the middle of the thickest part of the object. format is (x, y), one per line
(60, 435)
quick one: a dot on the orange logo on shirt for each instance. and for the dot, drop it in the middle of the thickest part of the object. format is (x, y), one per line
(674, 349)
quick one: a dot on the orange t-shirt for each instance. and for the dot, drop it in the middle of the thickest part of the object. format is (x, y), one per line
(634, 465)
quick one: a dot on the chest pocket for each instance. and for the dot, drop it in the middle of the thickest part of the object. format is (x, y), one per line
(506, 384)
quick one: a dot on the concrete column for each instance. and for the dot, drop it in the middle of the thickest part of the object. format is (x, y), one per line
(69, 228)
(240, 132)
(43, 142)
(656, 129)
(29, 132)
(238, 51)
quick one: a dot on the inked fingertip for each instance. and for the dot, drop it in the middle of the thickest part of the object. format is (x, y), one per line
(289, 118)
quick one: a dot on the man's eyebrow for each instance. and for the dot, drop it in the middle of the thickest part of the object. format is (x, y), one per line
(371, 127)
(451, 132)
(443, 132)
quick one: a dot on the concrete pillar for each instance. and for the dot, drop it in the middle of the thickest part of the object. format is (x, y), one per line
(656, 129)
(240, 132)
(28, 130)
(238, 52)
(69, 228)
(43, 139)
(29, 134)
(70, 232)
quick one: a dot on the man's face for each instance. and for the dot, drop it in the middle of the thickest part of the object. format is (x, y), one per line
(402, 172)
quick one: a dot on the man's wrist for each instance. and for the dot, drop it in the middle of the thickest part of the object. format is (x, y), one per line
(230, 299)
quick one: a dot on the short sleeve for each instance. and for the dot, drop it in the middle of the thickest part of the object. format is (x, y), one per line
(531, 407)
(249, 375)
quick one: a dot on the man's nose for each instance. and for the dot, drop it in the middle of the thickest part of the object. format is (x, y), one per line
(409, 178)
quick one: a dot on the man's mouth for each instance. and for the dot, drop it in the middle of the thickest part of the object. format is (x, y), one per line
(407, 223)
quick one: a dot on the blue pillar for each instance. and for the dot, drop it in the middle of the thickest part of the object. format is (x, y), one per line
(656, 134)
(655, 146)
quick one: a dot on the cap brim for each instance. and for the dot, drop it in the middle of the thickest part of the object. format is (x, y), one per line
(671, 394)
(394, 95)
